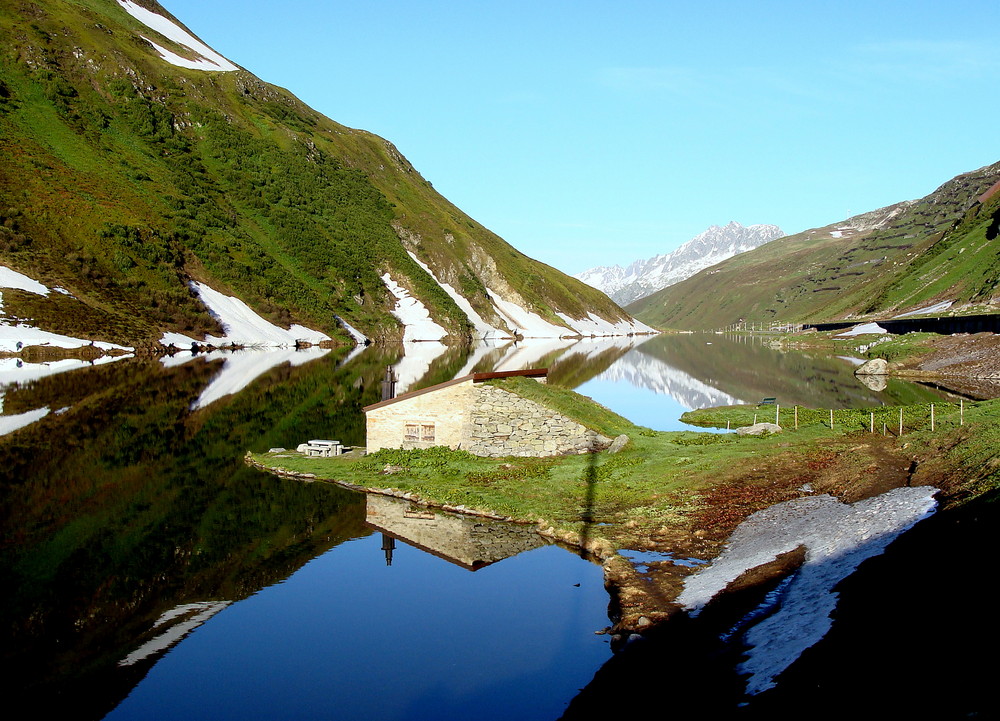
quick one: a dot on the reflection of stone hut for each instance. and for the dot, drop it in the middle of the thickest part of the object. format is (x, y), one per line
(466, 541)
(481, 418)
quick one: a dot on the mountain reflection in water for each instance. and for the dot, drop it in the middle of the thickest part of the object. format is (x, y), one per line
(143, 562)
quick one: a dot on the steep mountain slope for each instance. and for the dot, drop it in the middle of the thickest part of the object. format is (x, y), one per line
(644, 277)
(910, 255)
(134, 160)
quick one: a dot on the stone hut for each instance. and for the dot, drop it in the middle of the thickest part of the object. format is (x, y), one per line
(478, 417)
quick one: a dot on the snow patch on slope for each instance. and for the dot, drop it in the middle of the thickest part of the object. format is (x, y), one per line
(14, 335)
(483, 329)
(526, 323)
(242, 325)
(416, 319)
(209, 60)
(12, 279)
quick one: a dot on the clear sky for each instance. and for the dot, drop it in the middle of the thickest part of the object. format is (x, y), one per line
(591, 133)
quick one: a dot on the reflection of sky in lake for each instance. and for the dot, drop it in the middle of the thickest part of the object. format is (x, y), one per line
(348, 637)
(642, 406)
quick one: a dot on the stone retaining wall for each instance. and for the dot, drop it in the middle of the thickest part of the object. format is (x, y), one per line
(505, 424)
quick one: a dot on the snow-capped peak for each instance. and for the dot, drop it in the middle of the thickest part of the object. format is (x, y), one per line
(644, 277)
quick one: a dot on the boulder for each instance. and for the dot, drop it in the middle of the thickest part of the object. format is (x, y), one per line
(874, 367)
(618, 443)
(759, 429)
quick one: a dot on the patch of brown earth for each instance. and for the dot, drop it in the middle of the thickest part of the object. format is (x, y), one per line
(849, 469)
(973, 356)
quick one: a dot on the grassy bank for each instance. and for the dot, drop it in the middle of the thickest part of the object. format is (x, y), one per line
(669, 487)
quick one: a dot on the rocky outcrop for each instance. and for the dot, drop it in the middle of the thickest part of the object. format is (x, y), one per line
(873, 367)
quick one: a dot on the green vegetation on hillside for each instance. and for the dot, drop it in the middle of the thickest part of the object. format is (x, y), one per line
(123, 177)
(942, 247)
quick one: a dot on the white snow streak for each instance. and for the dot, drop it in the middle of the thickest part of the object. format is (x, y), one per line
(416, 319)
(483, 329)
(12, 279)
(837, 537)
(242, 325)
(863, 329)
(209, 60)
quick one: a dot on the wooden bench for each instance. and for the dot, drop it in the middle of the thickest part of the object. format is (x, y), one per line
(767, 402)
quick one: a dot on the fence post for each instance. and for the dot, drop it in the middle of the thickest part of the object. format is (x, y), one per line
(831, 419)
(796, 417)
(900, 421)
(777, 411)
(961, 411)
(871, 428)
(932, 416)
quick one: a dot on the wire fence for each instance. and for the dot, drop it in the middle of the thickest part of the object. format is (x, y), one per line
(887, 420)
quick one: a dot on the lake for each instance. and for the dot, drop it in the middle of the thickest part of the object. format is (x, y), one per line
(148, 573)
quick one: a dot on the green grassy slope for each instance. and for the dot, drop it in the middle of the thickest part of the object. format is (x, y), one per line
(942, 247)
(122, 177)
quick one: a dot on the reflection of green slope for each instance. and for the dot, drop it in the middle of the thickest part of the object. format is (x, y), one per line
(571, 370)
(129, 504)
(748, 370)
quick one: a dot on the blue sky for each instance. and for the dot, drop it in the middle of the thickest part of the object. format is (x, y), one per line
(590, 133)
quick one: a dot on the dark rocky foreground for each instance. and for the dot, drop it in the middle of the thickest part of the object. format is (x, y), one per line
(913, 634)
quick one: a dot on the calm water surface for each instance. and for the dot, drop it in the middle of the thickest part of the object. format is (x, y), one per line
(149, 574)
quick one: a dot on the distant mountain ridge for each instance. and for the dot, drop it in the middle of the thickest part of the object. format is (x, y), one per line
(907, 257)
(645, 277)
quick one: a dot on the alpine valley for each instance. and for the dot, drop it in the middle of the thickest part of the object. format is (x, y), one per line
(165, 192)
(924, 256)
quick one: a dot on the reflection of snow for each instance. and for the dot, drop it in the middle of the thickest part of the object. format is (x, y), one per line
(837, 537)
(645, 371)
(416, 361)
(241, 368)
(527, 355)
(198, 613)
(9, 424)
(17, 371)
